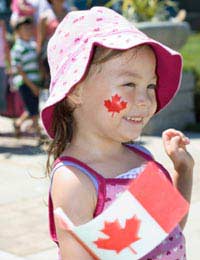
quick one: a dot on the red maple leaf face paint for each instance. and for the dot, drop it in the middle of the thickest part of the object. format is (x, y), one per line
(115, 105)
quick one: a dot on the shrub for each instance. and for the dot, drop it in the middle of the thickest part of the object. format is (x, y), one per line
(191, 62)
(144, 10)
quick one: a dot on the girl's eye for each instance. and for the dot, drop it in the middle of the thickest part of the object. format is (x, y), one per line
(152, 86)
(130, 84)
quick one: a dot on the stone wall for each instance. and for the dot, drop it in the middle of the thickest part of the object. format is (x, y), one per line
(179, 112)
(172, 34)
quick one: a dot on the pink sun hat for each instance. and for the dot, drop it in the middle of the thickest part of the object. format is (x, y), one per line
(70, 50)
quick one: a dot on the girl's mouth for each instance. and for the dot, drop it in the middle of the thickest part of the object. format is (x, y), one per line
(135, 120)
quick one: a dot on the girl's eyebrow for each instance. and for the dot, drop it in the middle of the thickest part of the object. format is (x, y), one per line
(134, 75)
(129, 74)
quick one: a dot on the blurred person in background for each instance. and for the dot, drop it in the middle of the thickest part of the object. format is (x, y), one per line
(47, 24)
(40, 6)
(26, 74)
(4, 62)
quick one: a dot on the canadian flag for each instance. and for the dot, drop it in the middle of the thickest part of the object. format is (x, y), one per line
(136, 222)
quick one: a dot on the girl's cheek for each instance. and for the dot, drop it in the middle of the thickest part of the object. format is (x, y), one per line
(153, 101)
(115, 104)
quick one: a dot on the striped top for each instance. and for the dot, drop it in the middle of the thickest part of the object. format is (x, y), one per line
(24, 54)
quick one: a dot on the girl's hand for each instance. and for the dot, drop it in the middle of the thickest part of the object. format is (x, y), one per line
(175, 143)
(175, 146)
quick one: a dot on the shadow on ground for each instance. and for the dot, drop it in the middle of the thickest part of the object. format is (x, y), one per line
(22, 135)
(21, 150)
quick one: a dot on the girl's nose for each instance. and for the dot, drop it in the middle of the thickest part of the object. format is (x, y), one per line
(142, 99)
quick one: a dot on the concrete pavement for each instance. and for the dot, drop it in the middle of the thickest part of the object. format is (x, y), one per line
(23, 197)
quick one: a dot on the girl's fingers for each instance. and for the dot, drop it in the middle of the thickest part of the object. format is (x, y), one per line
(173, 140)
(186, 141)
(176, 142)
(169, 134)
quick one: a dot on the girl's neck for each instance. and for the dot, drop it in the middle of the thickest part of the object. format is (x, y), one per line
(109, 158)
(94, 148)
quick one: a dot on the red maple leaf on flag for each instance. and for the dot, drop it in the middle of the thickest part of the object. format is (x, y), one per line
(119, 238)
(115, 105)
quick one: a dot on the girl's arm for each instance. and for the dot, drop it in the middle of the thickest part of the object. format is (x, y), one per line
(76, 195)
(175, 146)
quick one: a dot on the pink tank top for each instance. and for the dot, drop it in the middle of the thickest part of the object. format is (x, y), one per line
(172, 248)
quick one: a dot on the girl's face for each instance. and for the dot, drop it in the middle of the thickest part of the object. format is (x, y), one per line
(119, 98)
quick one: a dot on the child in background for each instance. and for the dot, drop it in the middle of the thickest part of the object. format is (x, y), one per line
(107, 80)
(4, 58)
(23, 8)
(26, 74)
(47, 24)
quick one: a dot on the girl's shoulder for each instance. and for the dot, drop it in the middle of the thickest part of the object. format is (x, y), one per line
(146, 154)
(142, 150)
(74, 192)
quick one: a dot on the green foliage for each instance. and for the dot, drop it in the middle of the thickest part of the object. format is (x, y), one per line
(144, 10)
(191, 62)
(191, 57)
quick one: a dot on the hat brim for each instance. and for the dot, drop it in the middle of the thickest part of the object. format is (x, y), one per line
(169, 67)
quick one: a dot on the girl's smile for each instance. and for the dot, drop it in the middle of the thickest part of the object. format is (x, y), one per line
(134, 120)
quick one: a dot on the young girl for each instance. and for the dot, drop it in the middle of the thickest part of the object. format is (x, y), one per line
(107, 80)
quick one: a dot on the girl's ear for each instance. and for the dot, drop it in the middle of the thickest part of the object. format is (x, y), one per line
(76, 96)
